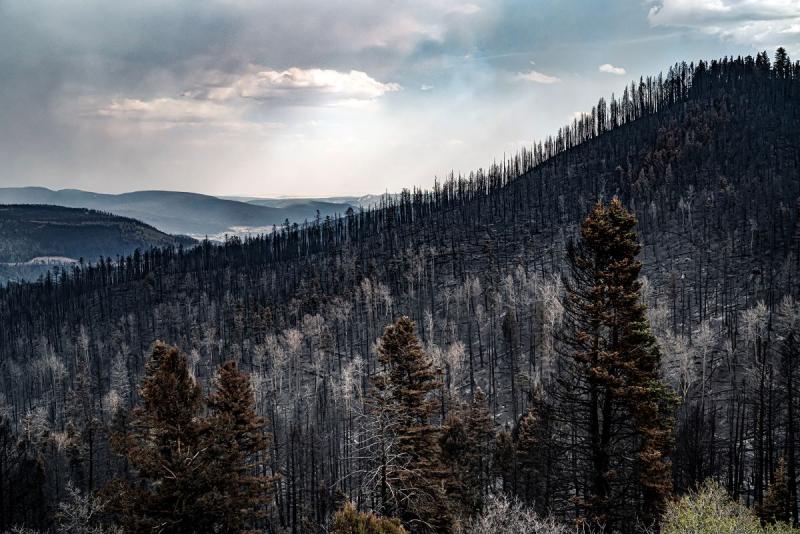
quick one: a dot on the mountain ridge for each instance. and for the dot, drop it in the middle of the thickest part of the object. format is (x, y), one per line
(34, 237)
(178, 212)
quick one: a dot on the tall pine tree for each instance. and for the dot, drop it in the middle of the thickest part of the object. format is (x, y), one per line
(777, 501)
(195, 474)
(237, 443)
(466, 442)
(623, 411)
(412, 483)
(165, 448)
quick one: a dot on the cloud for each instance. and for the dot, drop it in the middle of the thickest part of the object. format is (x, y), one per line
(425, 87)
(611, 69)
(166, 110)
(755, 22)
(267, 84)
(232, 101)
(464, 9)
(537, 77)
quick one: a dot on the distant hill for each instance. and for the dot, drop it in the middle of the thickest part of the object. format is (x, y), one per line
(281, 202)
(304, 205)
(178, 212)
(363, 201)
(35, 237)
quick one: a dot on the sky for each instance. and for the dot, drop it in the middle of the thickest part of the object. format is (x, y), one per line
(327, 97)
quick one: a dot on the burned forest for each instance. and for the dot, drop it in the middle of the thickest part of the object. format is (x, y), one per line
(576, 336)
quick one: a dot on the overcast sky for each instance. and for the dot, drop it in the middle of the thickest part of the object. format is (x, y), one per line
(327, 97)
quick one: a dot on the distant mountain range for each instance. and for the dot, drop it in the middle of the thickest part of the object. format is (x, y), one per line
(33, 238)
(364, 201)
(191, 213)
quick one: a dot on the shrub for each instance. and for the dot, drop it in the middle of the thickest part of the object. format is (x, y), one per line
(502, 515)
(711, 511)
(348, 520)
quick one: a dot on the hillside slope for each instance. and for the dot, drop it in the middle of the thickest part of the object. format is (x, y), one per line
(175, 212)
(707, 156)
(33, 236)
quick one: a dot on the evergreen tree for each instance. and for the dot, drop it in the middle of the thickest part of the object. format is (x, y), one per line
(416, 476)
(480, 438)
(621, 405)
(782, 64)
(466, 443)
(531, 451)
(197, 474)
(238, 446)
(454, 444)
(535, 455)
(504, 461)
(777, 502)
(165, 446)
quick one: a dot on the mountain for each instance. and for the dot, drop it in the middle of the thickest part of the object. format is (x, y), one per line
(34, 237)
(177, 212)
(363, 201)
(705, 155)
(296, 208)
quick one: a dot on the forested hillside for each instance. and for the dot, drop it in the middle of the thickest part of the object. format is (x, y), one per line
(180, 212)
(706, 157)
(31, 236)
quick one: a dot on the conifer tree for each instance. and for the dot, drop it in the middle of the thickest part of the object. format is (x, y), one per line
(404, 390)
(622, 407)
(535, 451)
(504, 461)
(480, 438)
(165, 447)
(238, 446)
(530, 450)
(777, 502)
(454, 444)
(466, 443)
(197, 474)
